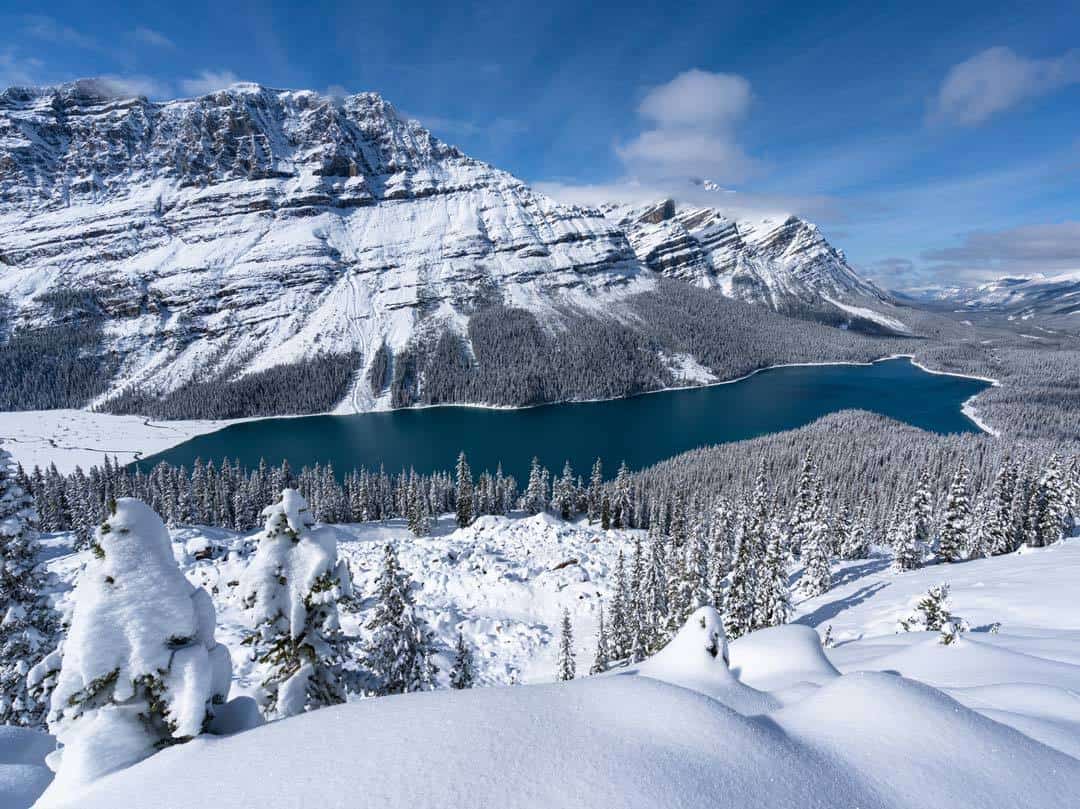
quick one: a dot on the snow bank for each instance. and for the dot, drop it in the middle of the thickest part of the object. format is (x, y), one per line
(697, 658)
(608, 741)
(922, 748)
(23, 774)
(781, 657)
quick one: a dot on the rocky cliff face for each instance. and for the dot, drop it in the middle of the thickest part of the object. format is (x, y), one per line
(783, 262)
(251, 228)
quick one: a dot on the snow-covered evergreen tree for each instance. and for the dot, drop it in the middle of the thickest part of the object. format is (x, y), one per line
(463, 491)
(921, 515)
(806, 503)
(741, 594)
(535, 498)
(816, 557)
(856, 542)
(1048, 507)
(621, 633)
(596, 491)
(28, 625)
(603, 655)
(622, 507)
(566, 666)
(932, 615)
(562, 495)
(955, 531)
(463, 671)
(139, 668)
(773, 593)
(399, 653)
(998, 533)
(290, 590)
(907, 552)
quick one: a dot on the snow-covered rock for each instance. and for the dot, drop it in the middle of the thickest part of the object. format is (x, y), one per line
(781, 261)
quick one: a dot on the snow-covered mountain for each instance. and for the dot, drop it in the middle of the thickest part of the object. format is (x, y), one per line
(251, 228)
(1034, 295)
(779, 261)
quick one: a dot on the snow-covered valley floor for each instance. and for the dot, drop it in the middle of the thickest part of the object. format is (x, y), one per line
(879, 719)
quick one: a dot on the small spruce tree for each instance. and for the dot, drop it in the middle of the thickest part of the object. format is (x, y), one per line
(463, 671)
(566, 667)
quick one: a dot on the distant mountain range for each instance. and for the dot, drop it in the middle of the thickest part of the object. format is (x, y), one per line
(1022, 296)
(226, 235)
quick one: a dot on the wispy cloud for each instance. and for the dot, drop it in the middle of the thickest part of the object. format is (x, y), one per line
(18, 71)
(148, 36)
(692, 122)
(136, 85)
(208, 81)
(995, 80)
(49, 30)
(1029, 249)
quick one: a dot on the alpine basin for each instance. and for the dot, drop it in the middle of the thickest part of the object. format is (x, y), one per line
(640, 430)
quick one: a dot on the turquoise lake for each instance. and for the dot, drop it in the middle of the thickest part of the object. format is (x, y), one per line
(640, 430)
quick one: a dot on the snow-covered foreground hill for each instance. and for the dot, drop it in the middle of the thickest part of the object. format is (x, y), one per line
(878, 720)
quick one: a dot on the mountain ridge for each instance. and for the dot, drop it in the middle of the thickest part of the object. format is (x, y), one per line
(242, 231)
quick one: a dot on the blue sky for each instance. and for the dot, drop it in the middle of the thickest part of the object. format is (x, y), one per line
(933, 143)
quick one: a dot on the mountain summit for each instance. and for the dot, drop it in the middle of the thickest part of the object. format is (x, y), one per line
(214, 238)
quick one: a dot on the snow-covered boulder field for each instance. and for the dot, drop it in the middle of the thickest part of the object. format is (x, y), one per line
(874, 718)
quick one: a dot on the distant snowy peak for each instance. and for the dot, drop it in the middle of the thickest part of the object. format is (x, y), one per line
(781, 261)
(1037, 294)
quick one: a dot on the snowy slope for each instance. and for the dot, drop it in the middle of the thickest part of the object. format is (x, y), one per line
(253, 227)
(779, 260)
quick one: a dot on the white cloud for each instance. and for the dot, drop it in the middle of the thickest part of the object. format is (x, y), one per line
(996, 79)
(693, 120)
(698, 99)
(136, 86)
(733, 204)
(49, 30)
(208, 81)
(148, 36)
(1025, 250)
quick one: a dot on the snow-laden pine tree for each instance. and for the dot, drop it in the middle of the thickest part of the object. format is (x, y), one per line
(621, 633)
(622, 506)
(28, 625)
(998, 533)
(806, 503)
(957, 525)
(463, 492)
(1048, 506)
(856, 542)
(562, 495)
(773, 594)
(741, 595)
(535, 498)
(932, 615)
(566, 666)
(290, 591)
(463, 671)
(816, 557)
(596, 491)
(140, 668)
(603, 656)
(921, 514)
(400, 650)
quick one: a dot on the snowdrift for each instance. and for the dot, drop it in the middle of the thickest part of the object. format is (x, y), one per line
(781, 657)
(607, 741)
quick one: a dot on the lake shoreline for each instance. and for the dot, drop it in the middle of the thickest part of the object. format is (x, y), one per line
(75, 437)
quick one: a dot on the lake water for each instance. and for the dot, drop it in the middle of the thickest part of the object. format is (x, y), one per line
(641, 430)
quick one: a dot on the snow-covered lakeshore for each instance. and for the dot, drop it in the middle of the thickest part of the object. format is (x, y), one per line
(877, 719)
(70, 438)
